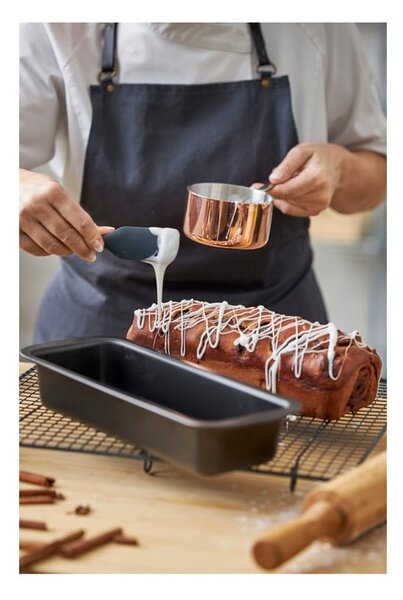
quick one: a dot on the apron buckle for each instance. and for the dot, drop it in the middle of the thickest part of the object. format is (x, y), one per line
(106, 77)
(266, 71)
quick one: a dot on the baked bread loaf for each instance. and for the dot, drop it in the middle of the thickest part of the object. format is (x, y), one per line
(330, 373)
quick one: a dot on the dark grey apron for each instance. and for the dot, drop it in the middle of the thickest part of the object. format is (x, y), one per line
(147, 143)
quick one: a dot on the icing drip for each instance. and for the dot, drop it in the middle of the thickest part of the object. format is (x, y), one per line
(332, 348)
(168, 246)
(286, 335)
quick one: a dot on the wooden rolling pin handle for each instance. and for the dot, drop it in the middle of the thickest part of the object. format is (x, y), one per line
(320, 520)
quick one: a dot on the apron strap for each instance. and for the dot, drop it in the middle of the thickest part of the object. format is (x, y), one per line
(109, 68)
(265, 67)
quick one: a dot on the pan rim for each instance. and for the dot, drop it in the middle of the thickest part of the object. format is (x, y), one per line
(283, 406)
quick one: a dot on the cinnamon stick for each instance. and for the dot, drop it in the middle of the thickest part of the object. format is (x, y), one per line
(24, 524)
(48, 549)
(40, 492)
(37, 479)
(78, 547)
(30, 545)
(44, 499)
(121, 538)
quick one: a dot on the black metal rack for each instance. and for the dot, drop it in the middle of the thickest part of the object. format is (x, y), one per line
(307, 448)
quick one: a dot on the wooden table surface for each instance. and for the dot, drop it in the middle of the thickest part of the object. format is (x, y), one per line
(184, 523)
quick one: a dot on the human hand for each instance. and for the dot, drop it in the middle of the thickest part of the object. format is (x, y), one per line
(51, 222)
(307, 179)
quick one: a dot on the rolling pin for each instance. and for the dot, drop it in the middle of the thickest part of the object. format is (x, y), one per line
(337, 512)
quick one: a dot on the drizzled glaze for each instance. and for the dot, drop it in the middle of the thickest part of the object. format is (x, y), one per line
(287, 335)
(168, 246)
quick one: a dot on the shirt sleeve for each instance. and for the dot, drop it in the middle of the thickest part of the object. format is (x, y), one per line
(42, 98)
(355, 116)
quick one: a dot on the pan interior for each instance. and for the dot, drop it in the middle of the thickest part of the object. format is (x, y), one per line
(227, 192)
(163, 383)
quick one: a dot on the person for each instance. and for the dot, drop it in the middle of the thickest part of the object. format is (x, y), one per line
(129, 115)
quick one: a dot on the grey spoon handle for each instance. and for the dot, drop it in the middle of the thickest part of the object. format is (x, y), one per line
(132, 243)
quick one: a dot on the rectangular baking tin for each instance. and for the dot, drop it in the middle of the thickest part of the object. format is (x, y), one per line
(200, 421)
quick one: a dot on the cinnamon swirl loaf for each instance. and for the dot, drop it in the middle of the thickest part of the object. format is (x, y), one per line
(330, 373)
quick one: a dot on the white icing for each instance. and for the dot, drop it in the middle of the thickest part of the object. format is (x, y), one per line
(168, 246)
(285, 335)
(332, 348)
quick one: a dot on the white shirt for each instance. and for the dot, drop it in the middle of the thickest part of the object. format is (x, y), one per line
(334, 96)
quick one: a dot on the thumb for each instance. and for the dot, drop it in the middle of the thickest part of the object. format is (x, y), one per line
(104, 229)
(292, 163)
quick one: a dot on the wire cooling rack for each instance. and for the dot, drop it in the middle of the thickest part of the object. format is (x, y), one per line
(307, 448)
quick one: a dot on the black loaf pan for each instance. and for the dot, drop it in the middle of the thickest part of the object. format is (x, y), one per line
(193, 418)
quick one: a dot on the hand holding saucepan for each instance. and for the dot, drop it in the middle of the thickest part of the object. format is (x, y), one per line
(307, 179)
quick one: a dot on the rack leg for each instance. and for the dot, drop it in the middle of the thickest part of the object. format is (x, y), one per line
(148, 464)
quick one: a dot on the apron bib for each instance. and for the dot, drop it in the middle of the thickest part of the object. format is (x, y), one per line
(147, 143)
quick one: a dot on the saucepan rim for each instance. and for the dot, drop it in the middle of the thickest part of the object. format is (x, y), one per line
(220, 191)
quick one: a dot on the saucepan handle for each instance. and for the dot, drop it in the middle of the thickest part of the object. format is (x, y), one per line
(266, 188)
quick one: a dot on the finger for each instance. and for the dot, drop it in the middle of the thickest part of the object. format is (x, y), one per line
(74, 214)
(290, 209)
(305, 206)
(292, 163)
(65, 233)
(29, 246)
(302, 184)
(52, 222)
(104, 229)
(44, 239)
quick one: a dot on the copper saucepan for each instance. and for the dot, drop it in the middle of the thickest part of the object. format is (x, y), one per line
(228, 216)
